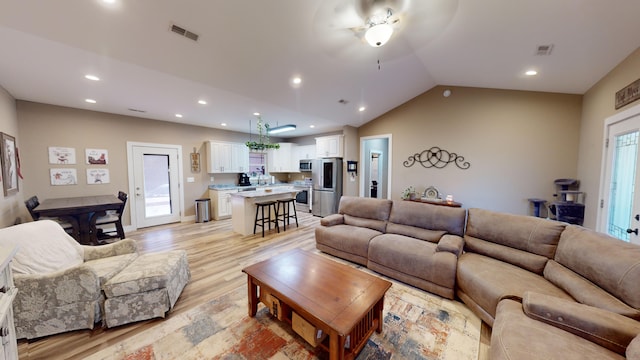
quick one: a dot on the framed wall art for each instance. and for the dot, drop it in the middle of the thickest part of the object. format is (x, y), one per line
(97, 156)
(63, 176)
(62, 155)
(97, 176)
(9, 164)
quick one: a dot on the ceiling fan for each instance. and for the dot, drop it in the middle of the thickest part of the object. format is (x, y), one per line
(345, 27)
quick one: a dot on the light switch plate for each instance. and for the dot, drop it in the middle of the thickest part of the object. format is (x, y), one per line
(190, 179)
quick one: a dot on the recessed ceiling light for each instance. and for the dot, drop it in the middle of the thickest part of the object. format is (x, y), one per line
(256, 114)
(92, 77)
(109, 1)
(202, 102)
(362, 108)
(296, 81)
(90, 101)
(224, 124)
(178, 115)
(531, 73)
(312, 126)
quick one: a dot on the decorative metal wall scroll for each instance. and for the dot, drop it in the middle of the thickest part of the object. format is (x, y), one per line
(437, 158)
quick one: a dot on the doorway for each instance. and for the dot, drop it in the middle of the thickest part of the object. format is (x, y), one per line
(619, 210)
(154, 181)
(375, 157)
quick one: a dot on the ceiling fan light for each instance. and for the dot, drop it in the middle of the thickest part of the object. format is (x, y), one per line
(379, 34)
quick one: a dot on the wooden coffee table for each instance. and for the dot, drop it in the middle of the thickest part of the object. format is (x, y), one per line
(343, 302)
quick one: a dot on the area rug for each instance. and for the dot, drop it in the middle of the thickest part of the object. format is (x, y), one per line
(417, 325)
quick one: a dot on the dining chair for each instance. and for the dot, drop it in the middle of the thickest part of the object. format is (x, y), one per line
(112, 217)
(71, 228)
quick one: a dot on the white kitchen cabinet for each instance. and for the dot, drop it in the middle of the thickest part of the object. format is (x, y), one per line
(227, 157)
(283, 160)
(330, 146)
(239, 158)
(305, 152)
(221, 203)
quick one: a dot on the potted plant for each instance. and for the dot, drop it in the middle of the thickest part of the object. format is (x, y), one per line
(263, 142)
(409, 193)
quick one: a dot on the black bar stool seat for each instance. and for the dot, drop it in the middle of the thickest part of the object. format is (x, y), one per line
(285, 215)
(261, 221)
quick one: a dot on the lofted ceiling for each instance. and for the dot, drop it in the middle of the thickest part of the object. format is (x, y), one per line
(248, 51)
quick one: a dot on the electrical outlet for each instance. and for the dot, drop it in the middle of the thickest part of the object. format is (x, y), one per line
(211, 179)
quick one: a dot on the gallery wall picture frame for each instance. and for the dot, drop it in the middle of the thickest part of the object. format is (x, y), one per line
(63, 176)
(62, 155)
(98, 176)
(96, 156)
(9, 164)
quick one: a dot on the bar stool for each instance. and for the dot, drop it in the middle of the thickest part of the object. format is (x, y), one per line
(285, 215)
(260, 209)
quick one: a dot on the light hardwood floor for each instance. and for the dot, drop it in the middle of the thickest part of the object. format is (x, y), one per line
(216, 257)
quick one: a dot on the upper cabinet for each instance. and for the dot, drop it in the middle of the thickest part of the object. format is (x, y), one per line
(227, 157)
(305, 152)
(330, 146)
(283, 160)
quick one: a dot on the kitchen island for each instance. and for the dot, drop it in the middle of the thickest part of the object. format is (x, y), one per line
(243, 205)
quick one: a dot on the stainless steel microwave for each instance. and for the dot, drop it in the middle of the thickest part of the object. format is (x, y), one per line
(305, 165)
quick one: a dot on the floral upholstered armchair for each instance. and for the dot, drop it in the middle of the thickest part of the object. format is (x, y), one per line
(58, 280)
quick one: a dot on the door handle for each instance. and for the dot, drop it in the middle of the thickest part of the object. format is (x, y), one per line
(637, 217)
(635, 231)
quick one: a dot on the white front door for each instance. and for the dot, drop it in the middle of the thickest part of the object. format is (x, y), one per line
(620, 202)
(154, 178)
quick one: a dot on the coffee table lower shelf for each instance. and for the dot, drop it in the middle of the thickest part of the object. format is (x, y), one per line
(348, 347)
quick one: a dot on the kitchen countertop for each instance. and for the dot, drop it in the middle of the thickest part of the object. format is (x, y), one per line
(234, 187)
(260, 192)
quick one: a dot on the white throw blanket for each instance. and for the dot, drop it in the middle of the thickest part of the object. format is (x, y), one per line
(43, 247)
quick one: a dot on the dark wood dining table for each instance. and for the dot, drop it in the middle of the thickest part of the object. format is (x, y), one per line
(81, 211)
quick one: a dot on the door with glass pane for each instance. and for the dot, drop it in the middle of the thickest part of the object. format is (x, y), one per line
(156, 185)
(621, 202)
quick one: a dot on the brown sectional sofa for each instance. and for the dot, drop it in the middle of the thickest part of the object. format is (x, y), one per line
(404, 240)
(549, 290)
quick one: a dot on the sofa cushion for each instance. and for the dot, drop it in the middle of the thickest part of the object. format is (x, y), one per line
(441, 219)
(43, 247)
(487, 281)
(415, 232)
(406, 258)
(346, 241)
(609, 263)
(106, 268)
(537, 238)
(516, 336)
(586, 292)
(365, 212)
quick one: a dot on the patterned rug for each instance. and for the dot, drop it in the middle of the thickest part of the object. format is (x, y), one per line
(417, 325)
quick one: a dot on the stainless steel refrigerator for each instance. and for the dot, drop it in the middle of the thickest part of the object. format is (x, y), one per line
(327, 186)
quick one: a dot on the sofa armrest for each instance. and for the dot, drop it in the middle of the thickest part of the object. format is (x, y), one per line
(605, 328)
(122, 247)
(333, 219)
(633, 350)
(451, 243)
(59, 288)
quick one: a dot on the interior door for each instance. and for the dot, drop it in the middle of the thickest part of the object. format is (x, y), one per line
(156, 185)
(620, 205)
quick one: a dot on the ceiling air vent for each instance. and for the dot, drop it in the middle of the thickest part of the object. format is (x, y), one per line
(184, 32)
(137, 110)
(544, 50)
